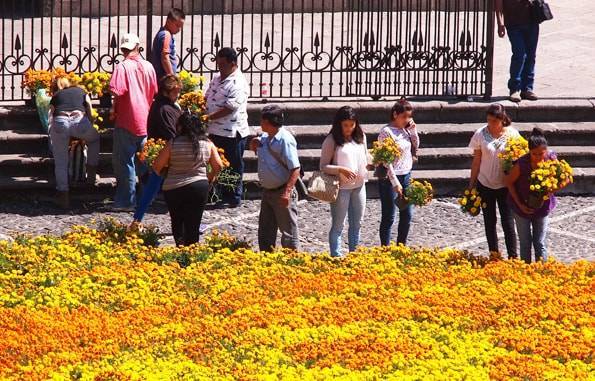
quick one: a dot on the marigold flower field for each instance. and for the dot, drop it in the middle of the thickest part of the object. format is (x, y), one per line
(89, 307)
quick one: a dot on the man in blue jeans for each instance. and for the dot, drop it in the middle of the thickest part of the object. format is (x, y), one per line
(515, 17)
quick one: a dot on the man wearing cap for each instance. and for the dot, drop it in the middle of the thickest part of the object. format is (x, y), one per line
(278, 171)
(163, 52)
(227, 99)
(133, 85)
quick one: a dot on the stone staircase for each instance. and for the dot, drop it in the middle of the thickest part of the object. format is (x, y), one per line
(444, 159)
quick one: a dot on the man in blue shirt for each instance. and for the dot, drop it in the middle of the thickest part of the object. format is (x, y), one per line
(278, 171)
(163, 51)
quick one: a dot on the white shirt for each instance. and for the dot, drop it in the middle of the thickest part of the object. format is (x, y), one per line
(355, 157)
(404, 139)
(491, 174)
(230, 93)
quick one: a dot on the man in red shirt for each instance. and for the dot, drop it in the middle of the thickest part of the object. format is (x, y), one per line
(133, 85)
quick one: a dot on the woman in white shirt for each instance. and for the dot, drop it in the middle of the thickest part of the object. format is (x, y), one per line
(403, 131)
(345, 154)
(487, 175)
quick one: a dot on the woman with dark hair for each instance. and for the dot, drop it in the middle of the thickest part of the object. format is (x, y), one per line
(531, 223)
(192, 163)
(488, 176)
(345, 154)
(391, 188)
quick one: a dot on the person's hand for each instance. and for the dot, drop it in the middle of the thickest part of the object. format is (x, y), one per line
(255, 144)
(525, 209)
(399, 190)
(501, 31)
(284, 200)
(348, 173)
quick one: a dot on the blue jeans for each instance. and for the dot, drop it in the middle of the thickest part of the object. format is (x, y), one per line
(126, 166)
(523, 40)
(387, 204)
(150, 191)
(532, 231)
(234, 152)
(351, 203)
(63, 128)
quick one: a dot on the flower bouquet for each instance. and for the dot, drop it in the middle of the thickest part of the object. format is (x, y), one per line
(419, 193)
(384, 153)
(196, 103)
(97, 83)
(97, 120)
(190, 82)
(151, 150)
(549, 177)
(515, 148)
(227, 179)
(34, 80)
(471, 202)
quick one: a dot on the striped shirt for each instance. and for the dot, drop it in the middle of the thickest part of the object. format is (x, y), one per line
(230, 93)
(184, 166)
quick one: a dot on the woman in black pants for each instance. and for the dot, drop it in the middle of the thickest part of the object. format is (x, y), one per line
(488, 176)
(192, 163)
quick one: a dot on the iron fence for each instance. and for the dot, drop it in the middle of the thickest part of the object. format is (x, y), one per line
(287, 48)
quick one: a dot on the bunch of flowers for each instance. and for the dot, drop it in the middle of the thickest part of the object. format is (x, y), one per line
(34, 80)
(549, 177)
(151, 150)
(385, 151)
(196, 103)
(97, 120)
(91, 305)
(419, 193)
(96, 83)
(227, 180)
(515, 148)
(190, 82)
(471, 202)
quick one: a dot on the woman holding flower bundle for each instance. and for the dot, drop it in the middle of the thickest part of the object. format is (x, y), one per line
(391, 187)
(531, 223)
(192, 163)
(71, 116)
(161, 125)
(487, 174)
(345, 154)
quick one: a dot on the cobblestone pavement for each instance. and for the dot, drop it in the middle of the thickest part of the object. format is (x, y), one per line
(571, 236)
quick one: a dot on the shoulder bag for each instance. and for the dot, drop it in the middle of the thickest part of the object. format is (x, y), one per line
(323, 186)
(541, 11)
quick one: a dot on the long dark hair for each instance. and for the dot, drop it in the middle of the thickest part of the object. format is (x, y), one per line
(537, 138)
(191, 126)
(499, 112)
(346, 113)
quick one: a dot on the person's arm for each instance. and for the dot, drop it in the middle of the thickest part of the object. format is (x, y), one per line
(326, 157)
(392, 177)
(235, 98)
(89, 108)
(222, 112)
(162, 160)
(215, 163)
(414, 135)
(510, 180)
(292, 162)
(475, 168)
(255, 143)
(165, 62)
(118, 86)
(499, 8)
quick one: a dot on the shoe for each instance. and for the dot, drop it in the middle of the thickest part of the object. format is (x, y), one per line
(529, 95)
(515, 97)
(63, 199)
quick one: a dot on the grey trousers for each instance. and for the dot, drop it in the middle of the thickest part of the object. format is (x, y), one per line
(274, 217)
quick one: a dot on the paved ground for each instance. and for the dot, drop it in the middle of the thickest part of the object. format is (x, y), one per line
(571, 236)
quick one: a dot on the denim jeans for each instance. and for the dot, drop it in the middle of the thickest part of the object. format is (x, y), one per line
(351, 203)
(492, 198)
(387, 204)
(63, 128)
(523, 41)
(126, 166)
(275, 217)
(234, 152)
(532, 232)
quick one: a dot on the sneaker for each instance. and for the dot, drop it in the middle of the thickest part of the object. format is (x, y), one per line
(529, 95)
(515, 96)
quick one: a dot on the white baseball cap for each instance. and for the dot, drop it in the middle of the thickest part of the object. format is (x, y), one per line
(129, 41)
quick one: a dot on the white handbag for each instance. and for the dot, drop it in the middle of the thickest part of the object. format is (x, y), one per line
(323, 187)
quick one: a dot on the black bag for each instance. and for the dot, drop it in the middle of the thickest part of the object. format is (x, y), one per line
(541, 11)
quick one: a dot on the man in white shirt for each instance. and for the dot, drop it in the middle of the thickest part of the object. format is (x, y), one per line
(227, 98)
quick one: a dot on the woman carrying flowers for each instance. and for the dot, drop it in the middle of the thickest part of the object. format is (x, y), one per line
(487, 174)
(531, 223)
(345, 154)
(391, 188)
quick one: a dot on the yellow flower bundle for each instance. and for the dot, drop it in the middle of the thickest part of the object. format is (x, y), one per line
(96, 83)
(419, 193)
(97, 119)
(190, 82)
(223, 158)
(151, 150)
(550, 176)
(516, 147)
(471, 202)
(385, 151)
(196, 103)
(34, 80)
(85, 306)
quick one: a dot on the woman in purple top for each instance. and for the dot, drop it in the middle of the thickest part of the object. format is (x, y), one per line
(531, 223)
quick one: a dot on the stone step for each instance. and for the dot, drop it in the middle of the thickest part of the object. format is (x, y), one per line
(445, 182)
(30, 139)
(429, 159)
